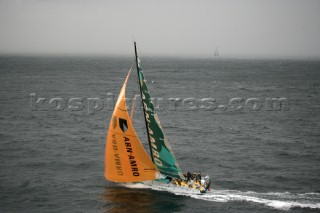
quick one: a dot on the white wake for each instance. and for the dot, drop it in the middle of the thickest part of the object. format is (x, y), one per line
(278, 200)
(284, 201)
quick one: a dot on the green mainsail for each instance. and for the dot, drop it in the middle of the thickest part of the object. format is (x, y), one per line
(162, 154)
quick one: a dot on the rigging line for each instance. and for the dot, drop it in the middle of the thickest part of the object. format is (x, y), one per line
(133, 104)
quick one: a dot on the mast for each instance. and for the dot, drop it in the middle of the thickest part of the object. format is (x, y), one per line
(144, 110)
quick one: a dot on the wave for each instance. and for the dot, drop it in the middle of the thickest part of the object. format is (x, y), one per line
(277, 200)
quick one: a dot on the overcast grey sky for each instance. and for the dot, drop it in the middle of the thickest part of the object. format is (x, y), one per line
(176, 27)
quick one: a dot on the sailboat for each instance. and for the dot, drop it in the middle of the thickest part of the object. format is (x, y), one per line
(216, 52)
(126, 160)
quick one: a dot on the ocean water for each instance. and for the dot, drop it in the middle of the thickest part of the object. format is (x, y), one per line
(216, 114)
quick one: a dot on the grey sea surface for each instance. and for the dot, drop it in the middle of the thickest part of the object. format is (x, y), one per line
(260, 159)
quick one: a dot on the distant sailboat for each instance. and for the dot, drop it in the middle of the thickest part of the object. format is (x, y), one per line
(216, 52)
(127, 161)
